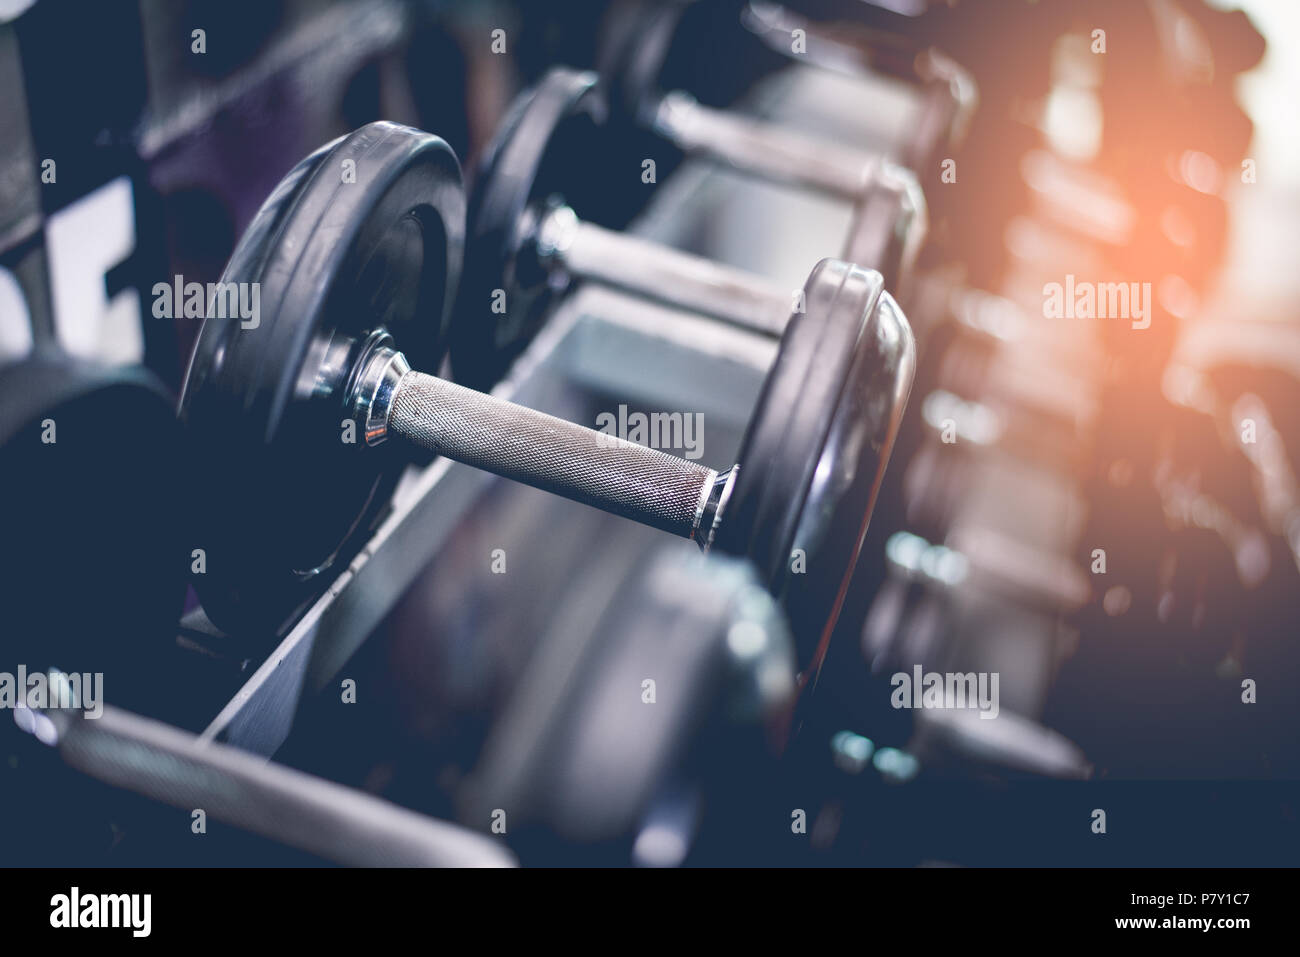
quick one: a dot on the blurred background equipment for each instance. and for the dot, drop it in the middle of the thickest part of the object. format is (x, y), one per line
(1084, 208)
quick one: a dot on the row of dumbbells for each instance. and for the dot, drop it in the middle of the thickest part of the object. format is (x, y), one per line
(831, 404)
(1108, 404)
(255, 414)
(522, 241)
(1135, 457)
(359, 250)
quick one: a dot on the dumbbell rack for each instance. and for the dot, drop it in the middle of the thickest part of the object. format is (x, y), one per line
(974, 561)
(599, 350)
(599, 347)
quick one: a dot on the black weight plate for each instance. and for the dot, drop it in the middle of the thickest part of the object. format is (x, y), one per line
(580, 754)
(285, 500)
(93, 569)
(638, 35)
(889, 224)
(816, 447)
(547, 131)
(648, 47)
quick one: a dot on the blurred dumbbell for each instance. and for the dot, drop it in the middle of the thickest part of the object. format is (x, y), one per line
(1177, 601)
(524, 240)
(889, 210)
(644, 40)
(916, 620)
(644, 709)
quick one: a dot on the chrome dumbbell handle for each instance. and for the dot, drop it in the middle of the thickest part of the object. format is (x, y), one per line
(660, 272)
(773, 153)
(891, 218)
(549, 453)
(950, 91)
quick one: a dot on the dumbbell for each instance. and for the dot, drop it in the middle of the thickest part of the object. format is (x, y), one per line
(579, 754)
(641, 37)
(949, 98)
(526, 241)
(889, 210)
(348, 271)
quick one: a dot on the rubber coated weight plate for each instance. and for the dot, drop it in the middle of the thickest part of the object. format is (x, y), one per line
(544, 132)
(648, 47)
(365, 235)
(890, 217)
(638, 37)
(579, 754)
(93, 569)
(816, 447)
(890, 220)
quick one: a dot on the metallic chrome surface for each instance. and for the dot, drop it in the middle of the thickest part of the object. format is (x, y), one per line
(775, 153)
(949, 81)
(951, 93)
(379, 370)
(718, 498)
(890, 223)
(660, 272)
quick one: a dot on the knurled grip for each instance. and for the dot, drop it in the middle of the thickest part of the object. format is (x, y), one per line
(549, 453)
